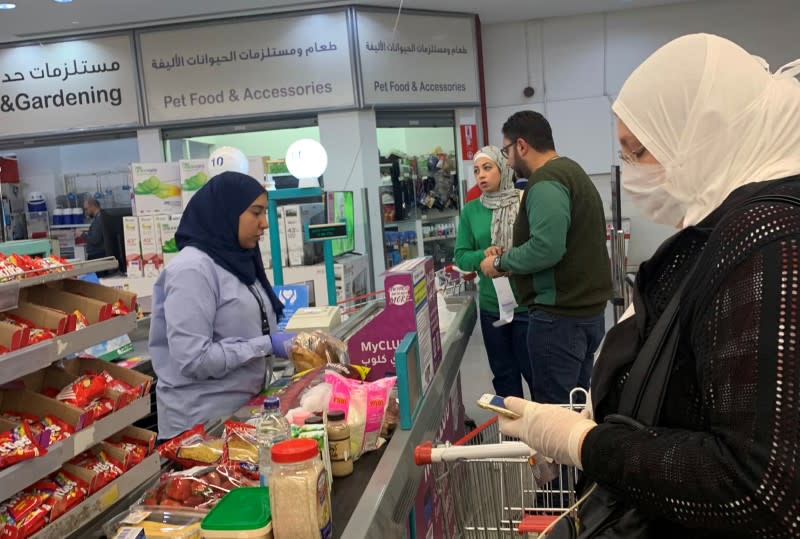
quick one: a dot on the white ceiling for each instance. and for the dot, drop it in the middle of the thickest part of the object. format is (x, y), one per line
(35, 19)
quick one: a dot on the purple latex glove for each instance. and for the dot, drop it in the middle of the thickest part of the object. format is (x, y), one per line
(282, 343)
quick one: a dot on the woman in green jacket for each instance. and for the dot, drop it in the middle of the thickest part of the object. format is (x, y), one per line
(486, 228)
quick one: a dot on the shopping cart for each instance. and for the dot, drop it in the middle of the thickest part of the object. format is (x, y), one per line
(499, 487)
(452, 281)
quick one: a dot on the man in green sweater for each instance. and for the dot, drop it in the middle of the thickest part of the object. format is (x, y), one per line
(559, 262)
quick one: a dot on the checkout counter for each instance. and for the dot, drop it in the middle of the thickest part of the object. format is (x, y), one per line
(383, 496)
(377, 500)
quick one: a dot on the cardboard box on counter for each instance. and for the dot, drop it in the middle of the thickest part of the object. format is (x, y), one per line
(55, 378)
(12, 336)
(94, 310)
(147, 437)
(23, 400)
(92, 477)
(45, 317)
(96, 291)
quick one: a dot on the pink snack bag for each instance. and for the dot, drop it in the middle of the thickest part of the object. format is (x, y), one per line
(377, 400)
(340, 393)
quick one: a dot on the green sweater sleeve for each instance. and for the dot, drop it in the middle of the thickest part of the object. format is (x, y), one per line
(548, 207)
(468, 254)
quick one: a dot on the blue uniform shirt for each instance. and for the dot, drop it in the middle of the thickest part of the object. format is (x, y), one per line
(206, 343)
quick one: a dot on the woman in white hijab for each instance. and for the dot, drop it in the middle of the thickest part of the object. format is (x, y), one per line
(710, 144)
(488, 224)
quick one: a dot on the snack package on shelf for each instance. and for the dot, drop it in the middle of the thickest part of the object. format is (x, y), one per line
(241, 449)
(81, 322)
(66, 490)
(315, 349)
(193, 448)
(83, 391)
(200, 487)
(56, 429)
(102, 464)
(18, 444)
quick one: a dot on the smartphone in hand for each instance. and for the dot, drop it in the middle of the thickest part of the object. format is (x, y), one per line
(495, 404)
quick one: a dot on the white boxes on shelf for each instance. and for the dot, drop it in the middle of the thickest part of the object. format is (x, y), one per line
(167, 226)
(156, 188)
(133, 249)
(194, 175)
(150, 246)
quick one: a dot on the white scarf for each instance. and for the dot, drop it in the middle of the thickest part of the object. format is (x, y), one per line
(714, 117)
(503, 203)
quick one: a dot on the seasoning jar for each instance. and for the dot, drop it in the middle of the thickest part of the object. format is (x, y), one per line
(298, 492)
(339, 442)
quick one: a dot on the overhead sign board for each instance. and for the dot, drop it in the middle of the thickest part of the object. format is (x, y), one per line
(283, 64)
(426, 60)
(68, 85)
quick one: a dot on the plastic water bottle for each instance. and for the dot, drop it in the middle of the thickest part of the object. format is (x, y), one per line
(272, 429)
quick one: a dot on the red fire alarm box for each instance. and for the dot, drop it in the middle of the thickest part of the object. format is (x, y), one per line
(9, 170)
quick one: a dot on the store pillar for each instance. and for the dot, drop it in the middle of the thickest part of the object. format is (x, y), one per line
(350, 139)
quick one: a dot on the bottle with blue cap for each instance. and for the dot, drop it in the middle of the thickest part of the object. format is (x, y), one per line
(272, 429)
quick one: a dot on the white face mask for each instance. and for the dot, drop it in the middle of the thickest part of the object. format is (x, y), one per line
(644, 183)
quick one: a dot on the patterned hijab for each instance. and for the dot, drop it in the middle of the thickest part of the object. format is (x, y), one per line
(504, 203)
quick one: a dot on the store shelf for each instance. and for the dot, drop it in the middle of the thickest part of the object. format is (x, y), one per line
(78, 341)
(67, 227)
(78, 268)
(38, 356)
(102, 500)
(24, 474)
(439, 216)
(438, 238)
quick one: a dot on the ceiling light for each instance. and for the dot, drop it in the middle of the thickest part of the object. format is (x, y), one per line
(7, 5)
(62, 1)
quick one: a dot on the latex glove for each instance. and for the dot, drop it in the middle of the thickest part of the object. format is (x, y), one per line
(550, 429)
(282, 343)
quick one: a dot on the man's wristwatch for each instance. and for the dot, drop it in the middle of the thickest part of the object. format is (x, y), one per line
(496, 264)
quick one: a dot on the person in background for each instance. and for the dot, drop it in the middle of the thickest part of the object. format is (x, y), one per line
(706, 133)
(486, 226)
(559, 261)
(94, 237)
(214, 320)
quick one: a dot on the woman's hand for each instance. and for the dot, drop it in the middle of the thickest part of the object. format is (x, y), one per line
(550, 429)
(282, 343)
(493, 251)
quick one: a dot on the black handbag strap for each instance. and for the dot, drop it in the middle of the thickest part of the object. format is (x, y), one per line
(644, 390)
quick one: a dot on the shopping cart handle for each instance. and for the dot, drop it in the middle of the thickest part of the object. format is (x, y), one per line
(427, 454)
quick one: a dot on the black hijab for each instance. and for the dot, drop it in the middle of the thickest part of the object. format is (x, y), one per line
(210, 223)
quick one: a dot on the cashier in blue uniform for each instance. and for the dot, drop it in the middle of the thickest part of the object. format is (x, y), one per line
(213, 328)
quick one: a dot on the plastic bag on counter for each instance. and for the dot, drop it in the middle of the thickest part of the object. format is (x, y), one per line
(377, 401)
(364, 405)
(193, 448)
(241, 448)
(200, 487)
(158, 522)
(316, 349)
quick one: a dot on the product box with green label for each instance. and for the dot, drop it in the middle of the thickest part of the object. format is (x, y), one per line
(156, 188)
(151, 255)
(133, 249)
(167, 226)
(194, 175)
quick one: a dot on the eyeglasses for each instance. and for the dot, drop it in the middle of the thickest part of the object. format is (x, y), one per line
(632, 157)
(504, 149)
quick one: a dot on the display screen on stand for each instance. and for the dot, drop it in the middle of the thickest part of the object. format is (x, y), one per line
(340, 209)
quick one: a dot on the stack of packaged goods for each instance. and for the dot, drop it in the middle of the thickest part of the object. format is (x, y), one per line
(296, 438)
